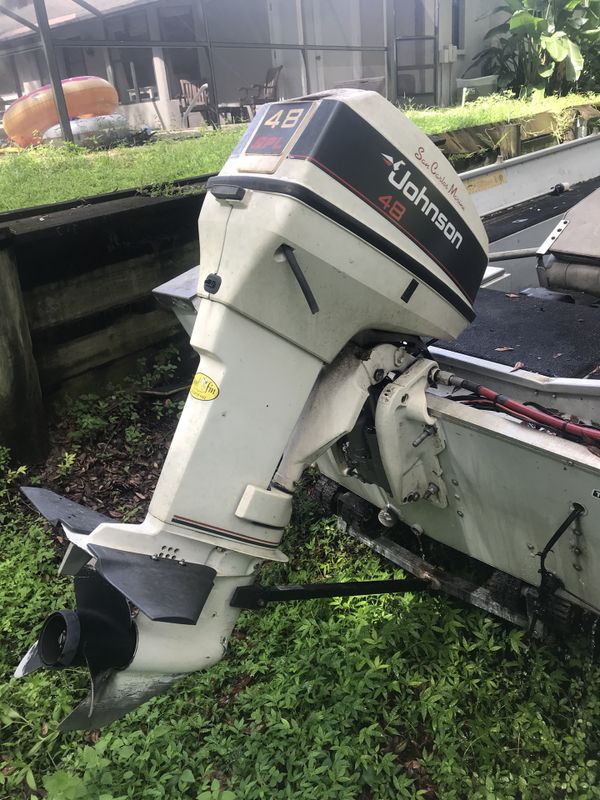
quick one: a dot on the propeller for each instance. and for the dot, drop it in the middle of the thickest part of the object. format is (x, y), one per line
(113, 695)
(99, 634)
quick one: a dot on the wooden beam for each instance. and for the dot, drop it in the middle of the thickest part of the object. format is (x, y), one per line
(109, 287)
(22, 418)
(131, 333)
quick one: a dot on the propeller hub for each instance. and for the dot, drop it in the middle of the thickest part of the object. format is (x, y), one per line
(59, 639)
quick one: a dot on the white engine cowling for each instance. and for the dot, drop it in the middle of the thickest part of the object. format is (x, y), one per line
(381, 225)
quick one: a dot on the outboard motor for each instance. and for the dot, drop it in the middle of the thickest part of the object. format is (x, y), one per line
(333, 238)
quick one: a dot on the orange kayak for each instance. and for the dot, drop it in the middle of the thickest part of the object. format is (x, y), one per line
(26, 120)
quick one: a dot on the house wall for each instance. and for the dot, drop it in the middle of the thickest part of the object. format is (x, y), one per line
(334, 22)
(95, 61)
(478, 23)
(372, 27)
(327, 22)
(92, 57)
(8, 88)
(347, 23)
(150, 114)
(445, 75)
(286, 27)
(29, 72)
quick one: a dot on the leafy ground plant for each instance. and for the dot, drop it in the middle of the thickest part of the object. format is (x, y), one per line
(370, 698)
(539, 46)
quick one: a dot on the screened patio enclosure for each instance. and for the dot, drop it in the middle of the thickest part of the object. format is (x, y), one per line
(160, 54)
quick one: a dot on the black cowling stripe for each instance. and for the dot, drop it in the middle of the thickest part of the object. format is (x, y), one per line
(351, 224)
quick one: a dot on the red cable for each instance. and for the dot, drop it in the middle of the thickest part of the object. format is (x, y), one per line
(547, 420)
(499, 406)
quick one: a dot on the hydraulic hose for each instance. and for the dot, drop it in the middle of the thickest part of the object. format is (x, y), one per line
(529, 413)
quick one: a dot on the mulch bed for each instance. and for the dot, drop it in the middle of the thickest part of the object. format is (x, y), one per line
(107, 475)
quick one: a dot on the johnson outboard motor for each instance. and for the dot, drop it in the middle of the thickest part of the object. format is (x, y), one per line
(333, 238)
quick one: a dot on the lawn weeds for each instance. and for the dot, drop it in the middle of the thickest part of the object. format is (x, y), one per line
(49, 174)
(497, 108)
(371, 698)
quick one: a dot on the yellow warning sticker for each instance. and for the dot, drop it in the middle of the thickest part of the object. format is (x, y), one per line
(203, 387)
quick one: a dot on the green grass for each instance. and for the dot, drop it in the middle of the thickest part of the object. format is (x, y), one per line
(374, 698)
(49, 174)
(44, 175)
(490, 110)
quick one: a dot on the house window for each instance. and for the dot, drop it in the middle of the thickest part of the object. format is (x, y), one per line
(133, 67)
(177, 24)
(74, 62)
(458, 23)
(128, 27)
(185, 66)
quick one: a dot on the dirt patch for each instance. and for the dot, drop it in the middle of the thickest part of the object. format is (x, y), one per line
(107, 452)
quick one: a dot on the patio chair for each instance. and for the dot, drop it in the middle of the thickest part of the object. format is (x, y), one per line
(260, 93)
(193, 97)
